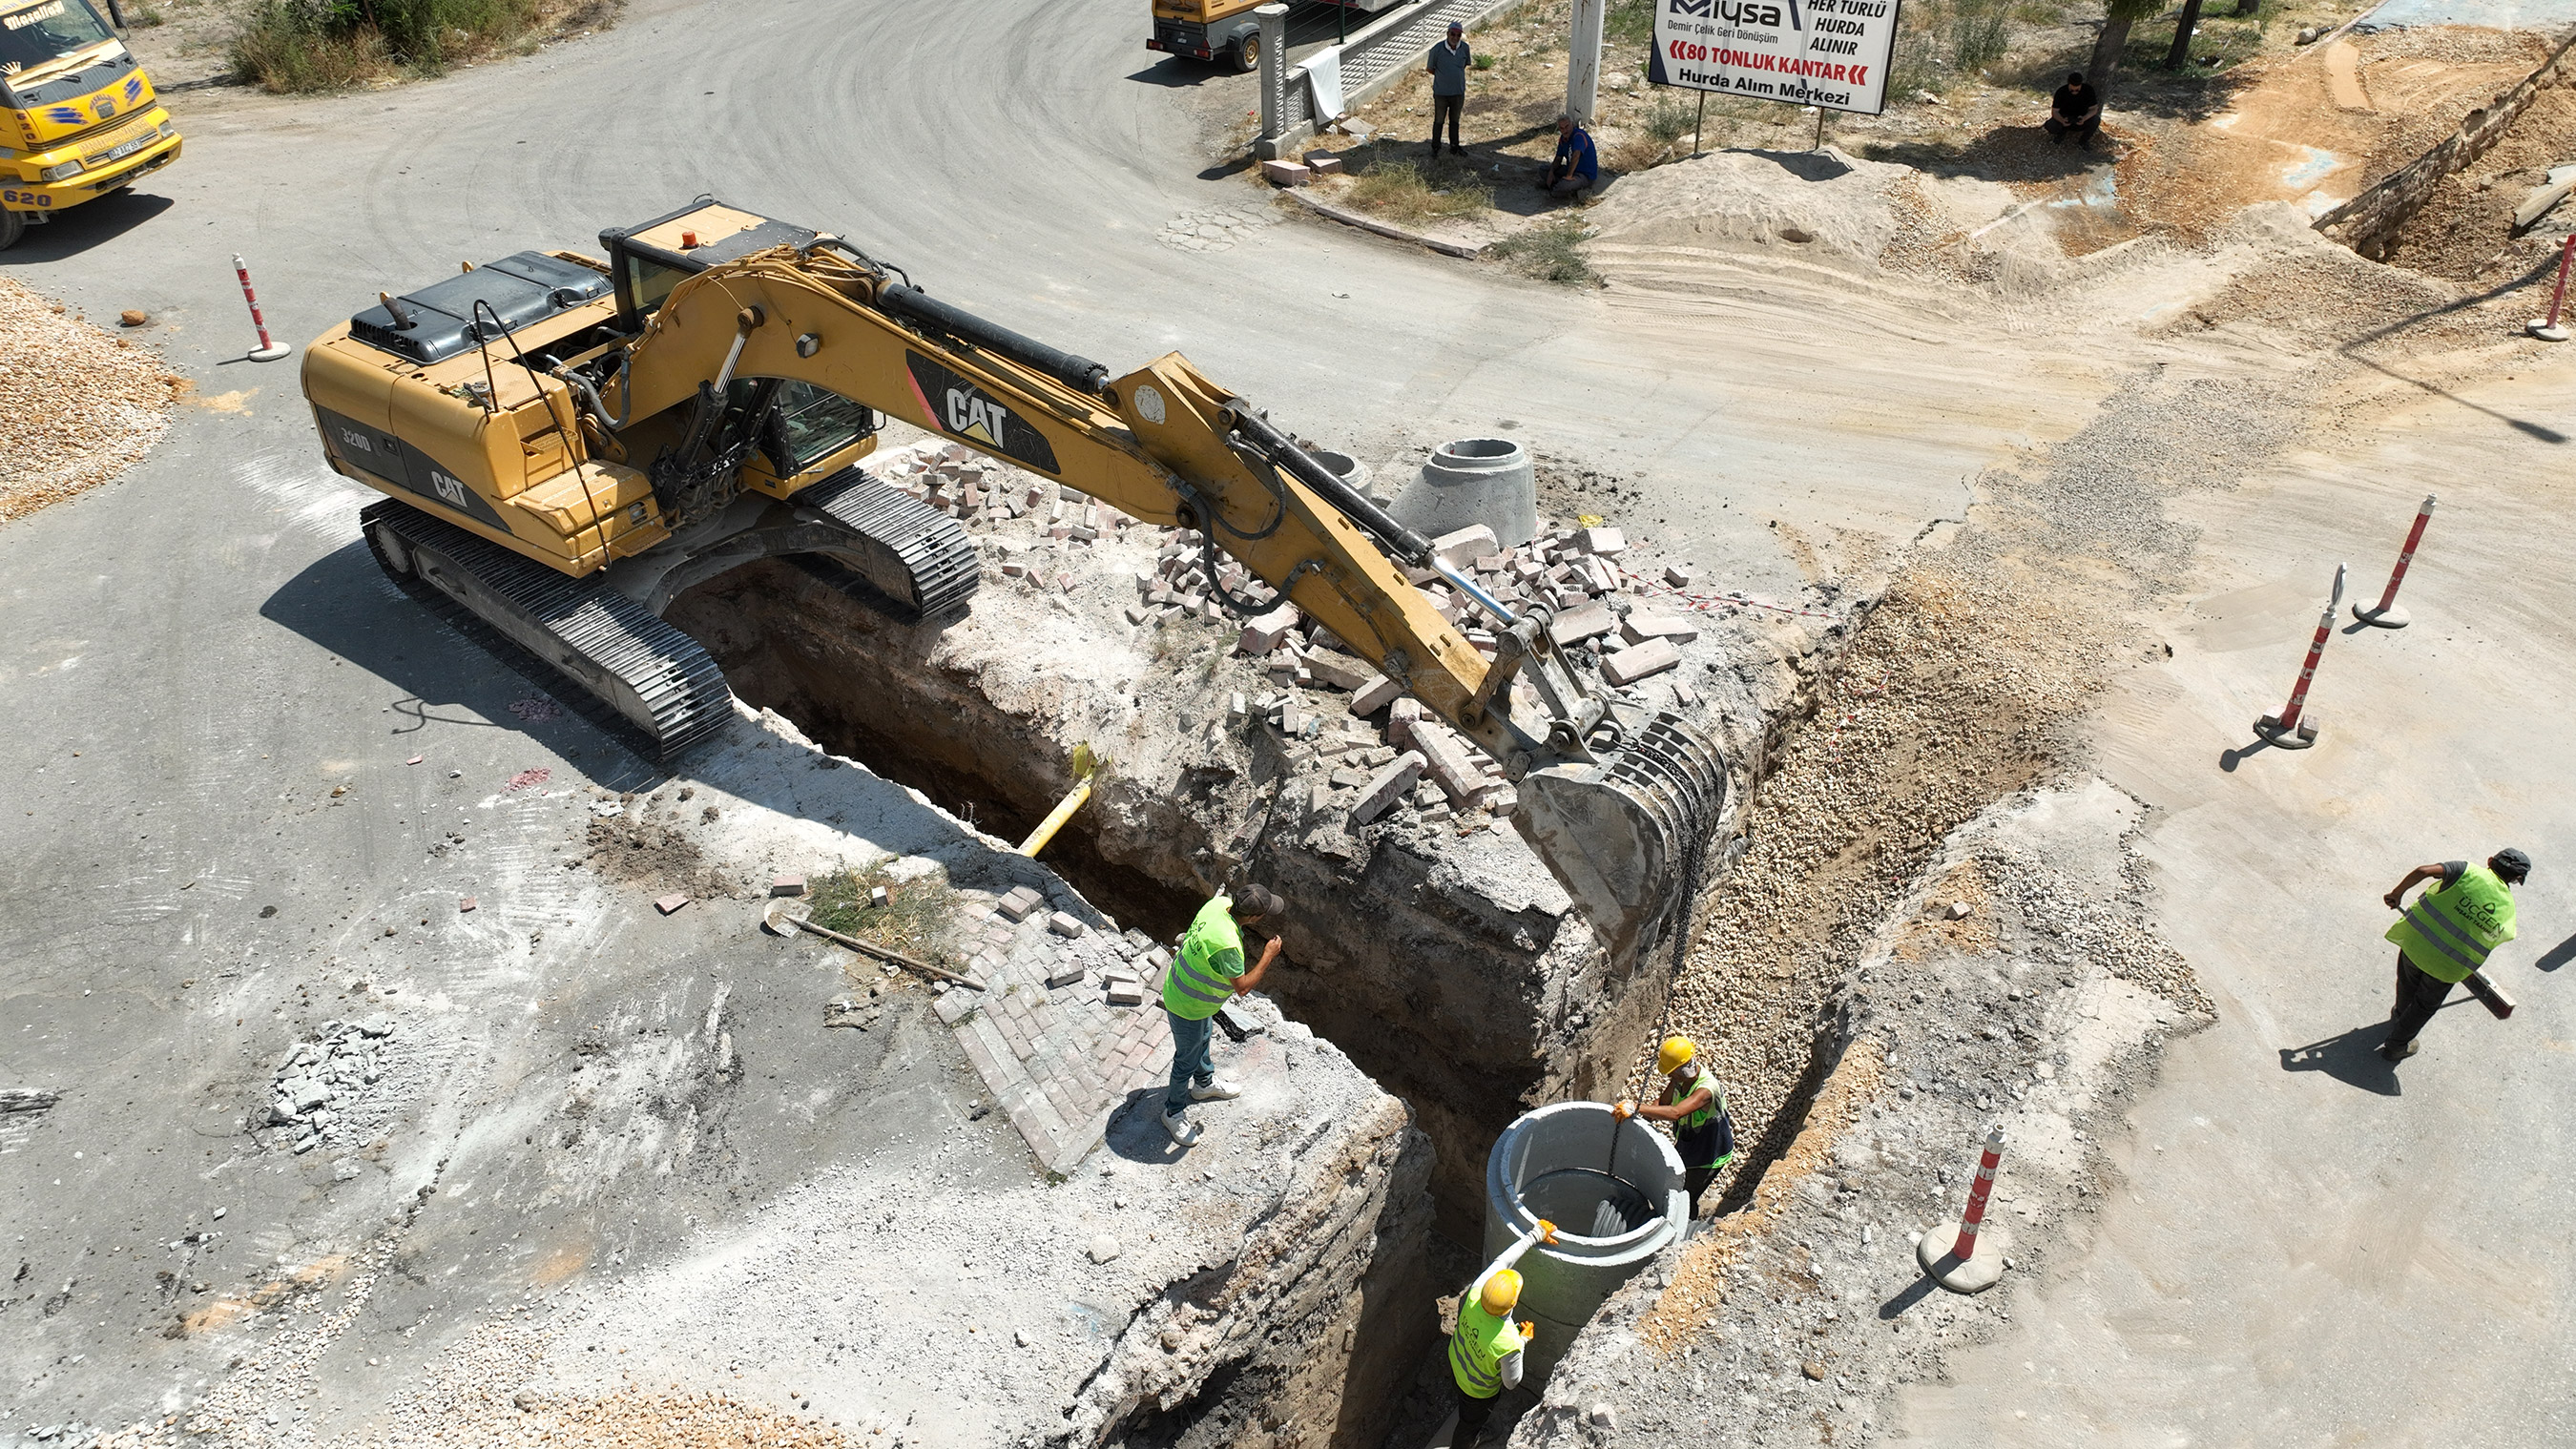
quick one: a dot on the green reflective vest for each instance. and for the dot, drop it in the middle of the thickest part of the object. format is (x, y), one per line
(1197, 986)
(2447, 932)
(1478, 1348)
(1695, 1134)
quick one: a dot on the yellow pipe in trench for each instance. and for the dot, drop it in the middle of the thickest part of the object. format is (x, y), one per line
(1084, 769)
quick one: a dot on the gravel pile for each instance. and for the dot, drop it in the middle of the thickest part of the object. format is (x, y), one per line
(77, 405)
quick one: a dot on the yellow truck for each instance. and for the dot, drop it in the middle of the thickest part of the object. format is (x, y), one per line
(1223, 30)
(83, 119)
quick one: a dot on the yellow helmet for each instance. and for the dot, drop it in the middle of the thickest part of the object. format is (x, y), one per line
(1676, 1054)
(1502, 1291)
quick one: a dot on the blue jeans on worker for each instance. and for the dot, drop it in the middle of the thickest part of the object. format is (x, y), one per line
(1190, 1059)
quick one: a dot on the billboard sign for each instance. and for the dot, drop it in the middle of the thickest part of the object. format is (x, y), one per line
(1828, 53)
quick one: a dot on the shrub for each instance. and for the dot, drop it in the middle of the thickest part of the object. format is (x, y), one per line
(323, 45)
(1551, 253)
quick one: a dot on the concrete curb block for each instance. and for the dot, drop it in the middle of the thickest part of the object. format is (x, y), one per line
(1330, 212)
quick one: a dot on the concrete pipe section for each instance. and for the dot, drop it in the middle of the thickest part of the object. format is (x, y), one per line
(1345, 467)
(1472, 481)
(1614, 1191)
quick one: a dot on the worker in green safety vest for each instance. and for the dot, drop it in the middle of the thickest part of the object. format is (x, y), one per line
(2445, 934)
(1696, 1106)
(1485, 1350)
(1206, 975)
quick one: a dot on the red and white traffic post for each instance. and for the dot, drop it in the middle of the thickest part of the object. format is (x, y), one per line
(267, 351)
(2294, 728)
(2385, 614)
(2549, 329)
(1948, 1252)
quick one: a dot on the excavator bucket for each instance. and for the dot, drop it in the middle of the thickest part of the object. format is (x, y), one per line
(1624, 836)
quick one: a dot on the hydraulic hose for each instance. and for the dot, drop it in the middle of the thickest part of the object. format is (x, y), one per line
(1079, 373)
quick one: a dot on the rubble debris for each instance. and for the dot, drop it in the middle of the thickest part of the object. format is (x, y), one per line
(318, 1086)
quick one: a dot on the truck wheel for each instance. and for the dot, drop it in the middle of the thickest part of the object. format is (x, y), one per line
(12, 227)
(1246, 52)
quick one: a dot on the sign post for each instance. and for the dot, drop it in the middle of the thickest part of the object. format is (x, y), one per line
(1830, 54)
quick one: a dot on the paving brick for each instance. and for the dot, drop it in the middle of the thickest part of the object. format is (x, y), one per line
(1066, 926)
(1019, 902)
(1647, 624)
(1461, 549)
(1632, 664)
(1677, 576)
(1263, 634)
(1386, 787)
(1586, 621)
(1063, 973)
(1323, 163)
(952, 1006)
(1285, 173)
(1374, 696)
(1341, 671)
(667, 904)
(1126, 993)
(465, 903)
(1602, 542)
(1399, 722)
(1450, 763)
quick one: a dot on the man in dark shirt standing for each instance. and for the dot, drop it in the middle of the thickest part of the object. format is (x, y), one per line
(1448, 63)
(2076, 107)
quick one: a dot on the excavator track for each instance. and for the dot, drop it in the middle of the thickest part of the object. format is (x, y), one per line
(905, 552)
(644, 679)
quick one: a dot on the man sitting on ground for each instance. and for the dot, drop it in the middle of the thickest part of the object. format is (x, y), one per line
(1577, 167)
(2076, 107)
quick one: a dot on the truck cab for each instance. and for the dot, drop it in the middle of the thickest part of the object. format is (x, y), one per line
(83, 120)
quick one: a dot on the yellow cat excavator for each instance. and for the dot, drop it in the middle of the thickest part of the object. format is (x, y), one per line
(568, 443)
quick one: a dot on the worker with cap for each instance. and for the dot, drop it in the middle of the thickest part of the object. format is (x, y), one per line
(1203, 978)
(1485, 1349)
(1694, 1104)
(2445, 934)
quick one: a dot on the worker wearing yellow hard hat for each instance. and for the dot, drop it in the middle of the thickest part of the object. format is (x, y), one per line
(1485, 1351)
(1696, 1106)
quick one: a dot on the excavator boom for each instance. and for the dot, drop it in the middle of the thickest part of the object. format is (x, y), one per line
(716, 313)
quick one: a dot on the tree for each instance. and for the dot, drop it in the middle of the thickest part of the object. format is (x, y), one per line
(2181, 50)
(2117, 17)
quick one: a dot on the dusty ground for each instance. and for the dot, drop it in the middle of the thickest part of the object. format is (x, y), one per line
(2183, 152)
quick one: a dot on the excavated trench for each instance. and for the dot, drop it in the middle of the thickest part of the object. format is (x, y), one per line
(1469, 1006)
(1472, 1006)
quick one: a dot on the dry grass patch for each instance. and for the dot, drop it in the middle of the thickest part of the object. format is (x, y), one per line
(1416, 193)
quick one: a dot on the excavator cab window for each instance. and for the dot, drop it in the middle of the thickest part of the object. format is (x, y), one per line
(648, 282)
(809, 424)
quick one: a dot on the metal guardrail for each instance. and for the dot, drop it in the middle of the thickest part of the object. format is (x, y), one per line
(1370, 61)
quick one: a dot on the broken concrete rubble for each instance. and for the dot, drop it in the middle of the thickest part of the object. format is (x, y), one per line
(1475, 960)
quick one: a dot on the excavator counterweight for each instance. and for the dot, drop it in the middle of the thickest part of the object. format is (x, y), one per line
(567, 443)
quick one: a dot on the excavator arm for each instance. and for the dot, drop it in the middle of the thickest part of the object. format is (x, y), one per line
(1615, 806)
